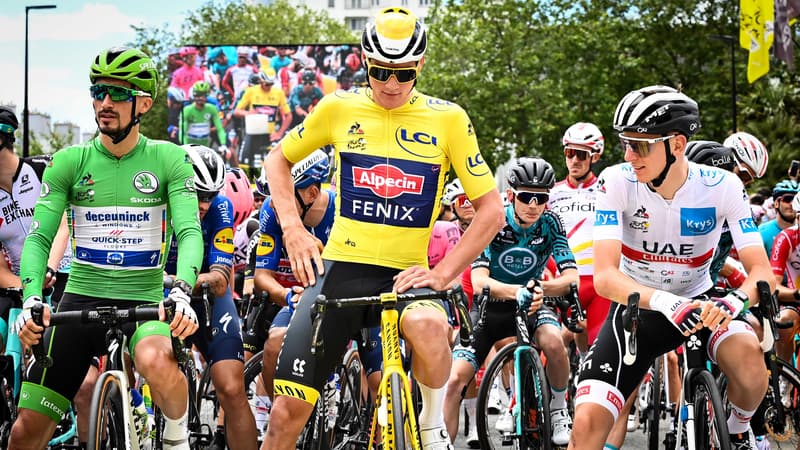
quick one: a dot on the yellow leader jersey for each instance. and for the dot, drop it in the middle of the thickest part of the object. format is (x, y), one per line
(271, 103)
(390, 171)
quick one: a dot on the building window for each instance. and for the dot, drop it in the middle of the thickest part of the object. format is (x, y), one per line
(354, 4)
(425, 2)
(331, 3)
(376, 2)
(357, 23)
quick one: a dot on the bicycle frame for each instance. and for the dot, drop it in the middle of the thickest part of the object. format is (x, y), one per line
(392, 360)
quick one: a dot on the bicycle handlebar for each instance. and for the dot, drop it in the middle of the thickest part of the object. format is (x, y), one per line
(387, 300)
(569, 307)
(630, 323)
(110, 316)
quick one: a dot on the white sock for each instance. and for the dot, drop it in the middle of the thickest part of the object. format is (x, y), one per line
(262, 410)
(176, 429)
(432, 414)
(558, 398)
(470, 405)
(739, 420)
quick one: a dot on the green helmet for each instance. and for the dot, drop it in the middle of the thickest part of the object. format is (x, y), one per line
(126, 64)
(201, 88)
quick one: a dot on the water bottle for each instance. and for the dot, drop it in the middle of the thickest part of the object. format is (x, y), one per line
(332, 390)
(148, 404)
(140, 416)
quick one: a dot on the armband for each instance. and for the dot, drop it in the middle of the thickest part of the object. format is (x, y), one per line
(736, 278)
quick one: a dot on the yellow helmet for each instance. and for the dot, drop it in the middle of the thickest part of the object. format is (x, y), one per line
(397, 36)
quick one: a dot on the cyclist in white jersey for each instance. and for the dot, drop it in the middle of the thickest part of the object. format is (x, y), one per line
(658, 221)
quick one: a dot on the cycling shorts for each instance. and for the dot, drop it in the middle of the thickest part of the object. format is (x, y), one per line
(302, 374)
(607, 381)
(595, 306)
(223, 341)
(50, 390)
(498, 323)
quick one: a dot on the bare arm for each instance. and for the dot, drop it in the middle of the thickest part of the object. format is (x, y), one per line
(59, 244)
(500, 290)
(265, 281)
(7, 278)
(218, 279)
(560, 285)
(754, 259)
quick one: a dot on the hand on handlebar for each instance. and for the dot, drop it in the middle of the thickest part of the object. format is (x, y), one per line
(530, 296)
(682, 313)
(29, 333)
(718, 312)
(184, 324)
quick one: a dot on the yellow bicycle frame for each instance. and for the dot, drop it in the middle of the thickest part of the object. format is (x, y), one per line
(393, 364)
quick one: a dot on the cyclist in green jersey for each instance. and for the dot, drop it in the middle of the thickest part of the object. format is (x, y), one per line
(125, 196)
(200, 119)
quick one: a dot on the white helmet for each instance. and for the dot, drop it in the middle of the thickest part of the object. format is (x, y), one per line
(586, 134)
(209, 168)
(397, 36)
(796, 204)
(451, 191)
(749, 151)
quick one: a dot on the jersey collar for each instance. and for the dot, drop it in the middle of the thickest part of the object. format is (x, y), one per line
(589, 182)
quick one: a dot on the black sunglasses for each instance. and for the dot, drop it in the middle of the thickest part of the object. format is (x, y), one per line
(203, 196)
(580, 154)
(527, 197)
(382, 74)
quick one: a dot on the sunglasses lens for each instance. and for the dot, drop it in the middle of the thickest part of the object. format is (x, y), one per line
(641, 148)
(462, 201)
(581, 155)
(787, 198)
(117, 93)
(203, 196)
(527, 197)
(383, 74)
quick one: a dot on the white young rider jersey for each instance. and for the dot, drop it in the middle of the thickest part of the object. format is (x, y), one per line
(575, 205)
(669, 244)
(17, 206)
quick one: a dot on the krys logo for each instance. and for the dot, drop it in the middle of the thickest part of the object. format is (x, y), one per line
(145, 182)
(602, 217)
(698, 221)
(387, 181)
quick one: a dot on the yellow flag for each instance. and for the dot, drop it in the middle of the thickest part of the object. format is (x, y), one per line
(756, 23)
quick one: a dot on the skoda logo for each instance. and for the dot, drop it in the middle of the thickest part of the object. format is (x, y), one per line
(145, 182)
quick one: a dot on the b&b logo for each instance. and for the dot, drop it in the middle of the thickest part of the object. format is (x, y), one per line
(698, 221)
(387, 181)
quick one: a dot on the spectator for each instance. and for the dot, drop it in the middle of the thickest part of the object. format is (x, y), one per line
(304, 97)
(189, 74)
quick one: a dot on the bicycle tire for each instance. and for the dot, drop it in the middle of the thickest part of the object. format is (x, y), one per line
(206, 402)
(107, 420)
(653, 409)
(534, 404)
(252, 377)
(398, 409)
(784, 429)
(8, 411)
(710, 420)
(352, 426)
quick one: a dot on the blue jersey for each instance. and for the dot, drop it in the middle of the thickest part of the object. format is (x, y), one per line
(217, 227)
(516, 254)
(270, 252)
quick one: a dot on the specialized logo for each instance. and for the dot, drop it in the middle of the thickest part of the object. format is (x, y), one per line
(604, 217)
(225, 320)
(698, 221)
(145, 182)
(223, 240)
(266, 245)
(387, 181)
(748, 225)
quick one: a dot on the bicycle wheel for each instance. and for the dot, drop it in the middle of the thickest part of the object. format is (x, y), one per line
(107, 420)
(399, 411)
(8, 411)
(535, 403)
(710, 420)
(652, 410)
(252, 381)
(352, 425)
(784, 427)
(205, 401)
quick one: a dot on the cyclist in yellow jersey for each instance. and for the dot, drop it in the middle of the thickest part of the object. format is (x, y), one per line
(394, 147)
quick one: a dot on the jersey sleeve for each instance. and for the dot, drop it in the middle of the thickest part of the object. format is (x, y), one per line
(737, 211)
(220, 249)
(184, 213)
(609, 205)
(283, 105)
(465, 156)
(56, 185)
(245, 101)
(561, 252)
(313, 133)
(270, 243)
(780, 253)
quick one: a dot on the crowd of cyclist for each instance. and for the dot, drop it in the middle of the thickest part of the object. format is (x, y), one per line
(547, 239)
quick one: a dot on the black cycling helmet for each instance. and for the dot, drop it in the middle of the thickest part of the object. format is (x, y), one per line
(308, 76)
(530, 173)
(8, 125)
(710, 153)
(343, 74)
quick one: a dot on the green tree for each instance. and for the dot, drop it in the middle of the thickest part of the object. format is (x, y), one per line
(219, 22)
